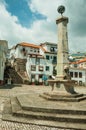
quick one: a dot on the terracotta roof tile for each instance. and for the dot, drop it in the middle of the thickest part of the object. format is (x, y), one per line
(28, 45)
(80, 61)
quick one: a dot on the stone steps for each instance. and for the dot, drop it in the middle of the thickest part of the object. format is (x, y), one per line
(43, 115)
(63, 98)
(60, 94)
(42, 105)
(52, 124)
(16, 78)
(24, 110)
(54, 117)
(21, 67)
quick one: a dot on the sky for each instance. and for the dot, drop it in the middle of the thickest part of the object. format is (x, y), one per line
(34, 21)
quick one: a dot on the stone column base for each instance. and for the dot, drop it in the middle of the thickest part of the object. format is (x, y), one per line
(66, 93)
(66, 85)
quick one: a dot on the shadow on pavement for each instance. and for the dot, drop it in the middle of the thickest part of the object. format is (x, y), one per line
(10, 86)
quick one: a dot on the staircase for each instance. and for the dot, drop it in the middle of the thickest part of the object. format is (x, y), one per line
(11, 73)
(17, 73)
(20, 67)
(30, 108)
(15, 77)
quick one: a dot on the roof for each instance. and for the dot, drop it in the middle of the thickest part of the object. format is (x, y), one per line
(47, 43)
(78, 54)
(80, 61)
(28, 45)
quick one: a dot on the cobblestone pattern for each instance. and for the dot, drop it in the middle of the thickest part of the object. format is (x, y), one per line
(19, 126)
(5, 125)
(5, 94)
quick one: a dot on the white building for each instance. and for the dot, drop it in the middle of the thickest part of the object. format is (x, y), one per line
(78, 71)
(79, 75)
(49, 51)
(3, 51)
(36, 63)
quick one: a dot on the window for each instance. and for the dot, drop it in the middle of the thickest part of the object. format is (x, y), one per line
(54, 58)
(52, 49)
(23, 49)
(71, 74)
(34, 50)
(75, 65)
(55, 49)
(33, 68)
(80, 75)
(33, 76)
(37, 61)
(47, 68)
(40, 76)
(47, 57)
(40, 68)
(76, 74)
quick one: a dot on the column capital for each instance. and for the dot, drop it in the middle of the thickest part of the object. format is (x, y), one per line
(61, 19)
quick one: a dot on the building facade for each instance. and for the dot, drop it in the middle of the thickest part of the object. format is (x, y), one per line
(3, 52)
(40, 61)
(78, 71)
(37, 65)
(49, 51)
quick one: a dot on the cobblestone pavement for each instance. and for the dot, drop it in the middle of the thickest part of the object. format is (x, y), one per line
(6, 93)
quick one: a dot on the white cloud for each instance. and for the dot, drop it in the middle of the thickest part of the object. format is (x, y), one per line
(46, 29)
(13, 32)
(9, 28)
(75, 10)
(45, 7)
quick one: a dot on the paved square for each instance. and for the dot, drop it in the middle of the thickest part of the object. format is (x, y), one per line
(25, 89)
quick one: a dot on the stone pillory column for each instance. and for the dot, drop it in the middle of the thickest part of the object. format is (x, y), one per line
(63, 77)
(62, 55)
(62, 81)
